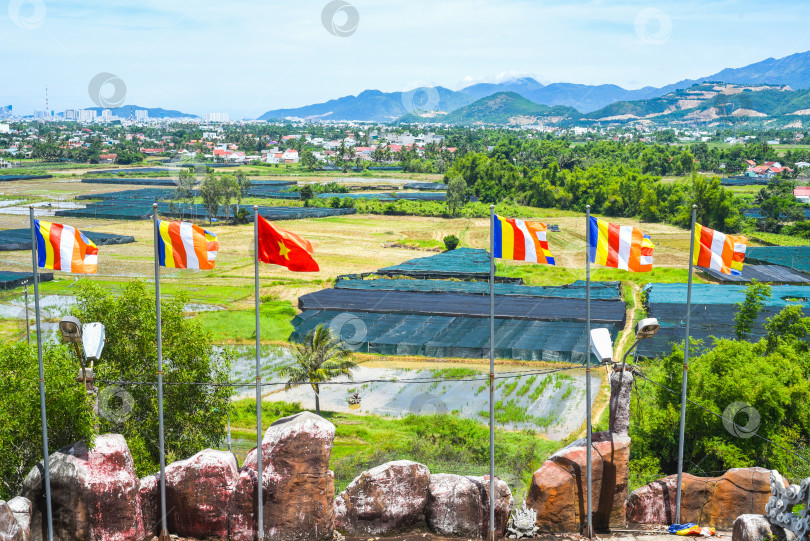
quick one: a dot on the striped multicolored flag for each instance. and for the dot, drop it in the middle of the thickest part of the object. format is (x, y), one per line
(521, 240)
(620, 246)
(183, 245)
(718, 251)
(65, 248)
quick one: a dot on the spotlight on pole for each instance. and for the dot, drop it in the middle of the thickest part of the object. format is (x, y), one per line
(71, 329)
(646, 328)
(602, 345)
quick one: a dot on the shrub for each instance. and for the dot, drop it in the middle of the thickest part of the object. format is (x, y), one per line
(451, 242)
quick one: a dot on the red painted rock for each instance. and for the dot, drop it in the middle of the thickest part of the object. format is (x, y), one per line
(459, 506)
(10, 530)
(708, 501)
(198, 492)
(21, 508)
(390, 498)
(559, 488)
(149, 498)
(94, 493)
(298, 487)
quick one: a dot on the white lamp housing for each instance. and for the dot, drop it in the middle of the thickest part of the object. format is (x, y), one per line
(93, 340)
(647, 328)
(602, 345)
(71, 329)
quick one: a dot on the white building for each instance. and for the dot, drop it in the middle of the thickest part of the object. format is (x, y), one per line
(4, 128)
(216, 117)
(71, 114)
(86, 115)
(106, 115)
(4, 164)
(141, 114)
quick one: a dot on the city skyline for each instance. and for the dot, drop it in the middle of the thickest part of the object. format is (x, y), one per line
(245, 59)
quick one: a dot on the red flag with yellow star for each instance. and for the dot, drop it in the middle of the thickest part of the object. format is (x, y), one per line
(280, 247)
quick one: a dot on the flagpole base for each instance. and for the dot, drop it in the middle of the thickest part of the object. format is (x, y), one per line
(589, 532)
(492, 536)
(164, 535)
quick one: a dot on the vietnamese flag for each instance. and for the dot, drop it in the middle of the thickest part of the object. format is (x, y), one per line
(280, 247)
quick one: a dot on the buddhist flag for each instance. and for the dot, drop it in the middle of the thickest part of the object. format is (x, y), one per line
(620, 246)
(521, 241)
(183, 245)
(65, 248)
(280, 247)
(718, 251)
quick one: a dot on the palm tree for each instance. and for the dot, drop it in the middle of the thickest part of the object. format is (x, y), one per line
(319, 358)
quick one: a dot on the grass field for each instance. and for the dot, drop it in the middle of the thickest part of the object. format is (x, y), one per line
(444, 443)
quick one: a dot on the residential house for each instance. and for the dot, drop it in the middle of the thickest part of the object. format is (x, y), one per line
(802, 194)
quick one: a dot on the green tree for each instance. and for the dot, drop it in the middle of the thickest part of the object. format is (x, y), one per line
(308, 160)
(244, 185)
(319, 358)
(230, 190)
(69, 411)
(211, 194)
(195, 414)
(306, 192)
(748, 310)
(457, 194)
(185, 186)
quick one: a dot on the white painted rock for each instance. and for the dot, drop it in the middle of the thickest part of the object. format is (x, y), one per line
(22, 507)
(9, 528)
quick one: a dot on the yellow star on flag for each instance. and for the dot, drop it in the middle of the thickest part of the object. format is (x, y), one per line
(283, 250)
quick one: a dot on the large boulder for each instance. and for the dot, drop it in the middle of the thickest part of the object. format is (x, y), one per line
(459, 506)
(94, 493)
(10, 530)
(708, 501)
(757, 528)
(298, 487)
(198, 491)
(390, 498)
(559, 488)
(149, 498)
(21, 507)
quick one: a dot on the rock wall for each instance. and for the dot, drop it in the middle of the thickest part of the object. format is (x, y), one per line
(708, 501)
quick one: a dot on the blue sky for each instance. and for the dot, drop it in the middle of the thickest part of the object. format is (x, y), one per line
(245, 58)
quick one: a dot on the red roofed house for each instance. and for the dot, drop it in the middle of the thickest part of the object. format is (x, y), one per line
(768, 169)
(107, 158)
(802, 193)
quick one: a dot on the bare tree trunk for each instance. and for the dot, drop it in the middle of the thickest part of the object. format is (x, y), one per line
(317, 399)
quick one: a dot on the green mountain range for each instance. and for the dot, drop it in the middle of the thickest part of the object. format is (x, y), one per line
(509, 108)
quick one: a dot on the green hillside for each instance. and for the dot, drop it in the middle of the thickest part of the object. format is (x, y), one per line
(510, 108)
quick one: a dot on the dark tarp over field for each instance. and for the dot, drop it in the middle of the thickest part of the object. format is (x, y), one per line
(712, 313)
(462, 263)
(119, 209)
(460, 304)
(20, 239)
(761, 273)
(11, 280)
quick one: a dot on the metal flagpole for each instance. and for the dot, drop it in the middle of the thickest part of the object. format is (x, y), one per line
(43, 413)
(27, 326)
(258, 375)
(589, 428)
(685, 368)
(164, 533)
(492, 494)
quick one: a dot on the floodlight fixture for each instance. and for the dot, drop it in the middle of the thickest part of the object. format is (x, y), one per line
(93, 340)
(71, 329)
(646, 328)
(602, 345)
